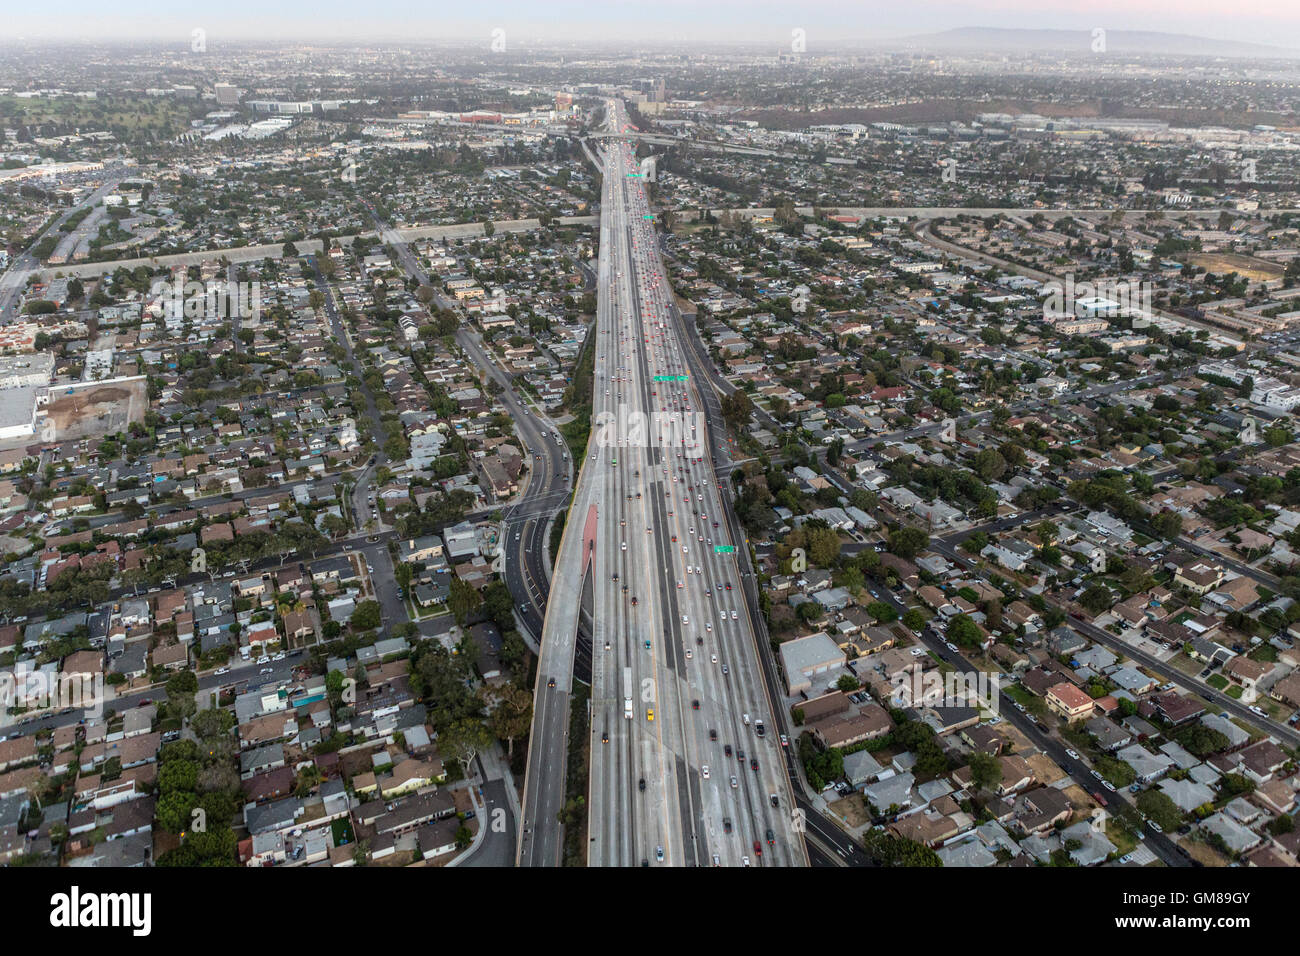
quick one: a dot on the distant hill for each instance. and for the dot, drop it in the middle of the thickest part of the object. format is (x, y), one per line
(996, 39)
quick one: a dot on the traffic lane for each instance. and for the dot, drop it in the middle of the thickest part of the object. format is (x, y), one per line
(541, 845)
(498, 846)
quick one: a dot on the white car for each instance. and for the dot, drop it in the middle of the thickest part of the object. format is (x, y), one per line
(221, 670)
(704, 771)
(1072, 754)
(735, 616)
(714, 658)
(734, 783)
(685, 620)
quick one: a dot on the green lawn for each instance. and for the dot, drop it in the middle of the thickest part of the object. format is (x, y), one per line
(342, 831)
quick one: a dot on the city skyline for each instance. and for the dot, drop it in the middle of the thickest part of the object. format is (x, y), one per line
(828, 24)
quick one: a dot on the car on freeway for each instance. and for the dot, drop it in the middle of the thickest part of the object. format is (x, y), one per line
(734, 782)
(704, 771)
(551, 682)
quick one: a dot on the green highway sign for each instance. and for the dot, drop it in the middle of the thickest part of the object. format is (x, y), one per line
(724, 549)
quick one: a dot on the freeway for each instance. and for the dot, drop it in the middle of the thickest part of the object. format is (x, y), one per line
(680, 772)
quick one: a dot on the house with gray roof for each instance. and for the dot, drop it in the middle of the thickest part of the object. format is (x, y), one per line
(895, 791)
(969, 853)
(1146, 765)
(861, 767)
(1237, 838)
(1186, 794)
(1236, 736)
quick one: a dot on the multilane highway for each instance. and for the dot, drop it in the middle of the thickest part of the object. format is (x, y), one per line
(685, 766)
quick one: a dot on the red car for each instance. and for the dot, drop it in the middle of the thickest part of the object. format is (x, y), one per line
(758, 848)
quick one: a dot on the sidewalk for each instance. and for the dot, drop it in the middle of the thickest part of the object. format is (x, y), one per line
(480, 834)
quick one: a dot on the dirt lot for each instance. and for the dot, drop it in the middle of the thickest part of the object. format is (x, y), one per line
(1221, 263)
(1204, 853)
(1045, 769)
(1079, 798)
(96, 409)
(852, 809)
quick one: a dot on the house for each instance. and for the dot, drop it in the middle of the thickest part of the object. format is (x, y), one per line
(1170, 707)
(1199, 576)
(846, 729)
(1069, 701)
(1147, 766)
(1040, 809)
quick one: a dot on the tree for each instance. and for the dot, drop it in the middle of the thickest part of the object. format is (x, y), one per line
(1096, 599)
(914, 619)
(463, 740)
(990, 465)
(1160, 808)
(985, 770)
(499, 605)
(511, 713)
(737, 409)
(882, 612)
(366, 616)
(463, 600)
(907, 542)
(964, 631)
(1168, 524)
(180, 694)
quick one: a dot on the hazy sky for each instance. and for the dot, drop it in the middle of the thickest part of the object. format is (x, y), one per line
(1275, 22)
